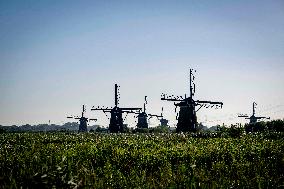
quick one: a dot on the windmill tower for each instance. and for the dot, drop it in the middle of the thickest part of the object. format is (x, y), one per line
(116, 120)
(253, 119)
(187, 120)
(83, 120)
(143, 117)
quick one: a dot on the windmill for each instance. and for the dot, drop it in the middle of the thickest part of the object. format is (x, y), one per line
(143, 116)
(163, 121)
(187, 120)
(253, 119)
(116, 120)
(83, 120)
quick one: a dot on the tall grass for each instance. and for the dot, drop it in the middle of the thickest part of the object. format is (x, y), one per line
(68, 160)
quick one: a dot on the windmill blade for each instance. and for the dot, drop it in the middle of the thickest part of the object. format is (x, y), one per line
(201, 105)
(262, 118)
(243, 115)
(153, 115)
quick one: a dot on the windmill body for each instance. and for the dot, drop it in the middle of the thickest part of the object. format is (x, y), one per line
(83, 124)
(187, 120)
(164, 122)
(116, 121)
(142, 120)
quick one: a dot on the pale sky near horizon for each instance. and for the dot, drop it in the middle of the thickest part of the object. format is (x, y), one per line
(57, 55)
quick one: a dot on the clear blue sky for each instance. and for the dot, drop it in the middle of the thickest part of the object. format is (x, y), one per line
(57, 55)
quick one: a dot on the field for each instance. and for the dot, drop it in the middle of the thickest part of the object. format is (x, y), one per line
(71, 160)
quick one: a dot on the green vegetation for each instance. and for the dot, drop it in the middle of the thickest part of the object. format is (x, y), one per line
(274, 125)
(68, 160)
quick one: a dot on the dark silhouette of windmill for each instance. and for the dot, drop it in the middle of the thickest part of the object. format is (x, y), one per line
(163, 121)
(83, 120)
(116, 120)
(253, 119)
(143, 116)
(187, 120)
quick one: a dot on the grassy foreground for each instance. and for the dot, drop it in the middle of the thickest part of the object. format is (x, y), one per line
(69, 160)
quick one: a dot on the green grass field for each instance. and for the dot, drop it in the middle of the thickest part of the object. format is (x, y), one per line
(69, 160)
